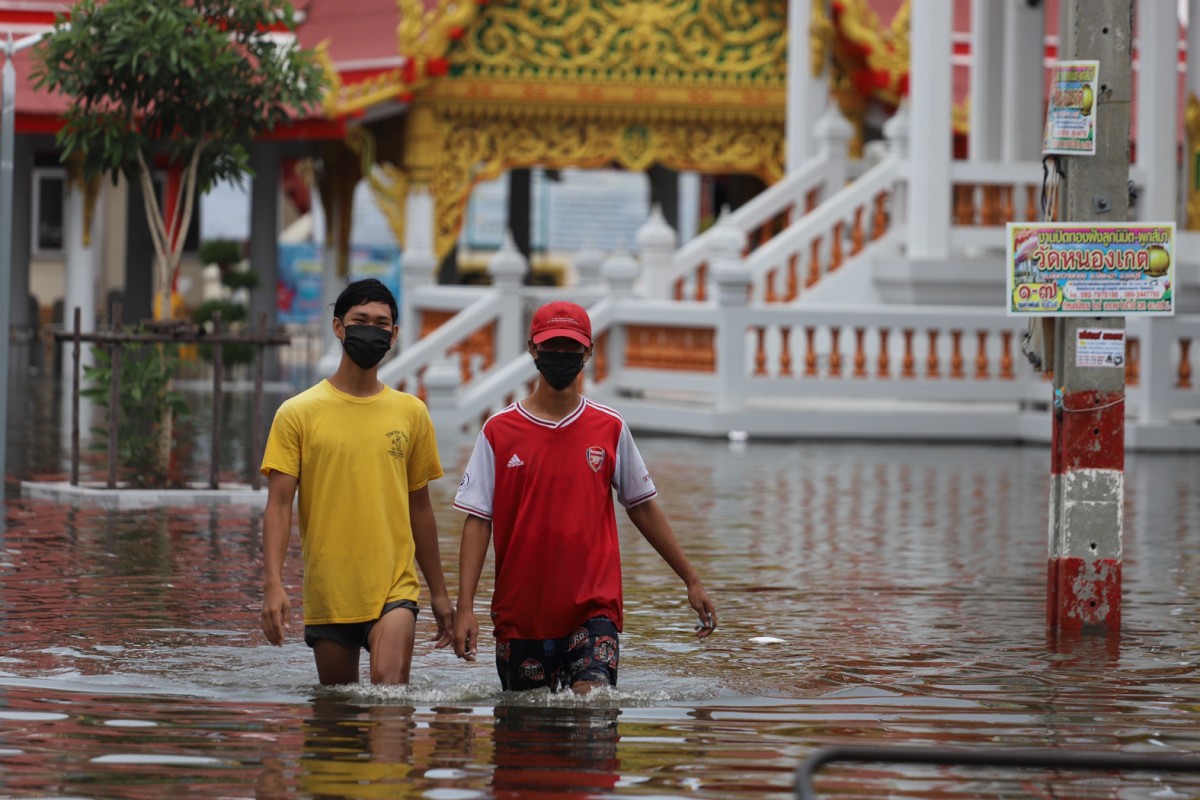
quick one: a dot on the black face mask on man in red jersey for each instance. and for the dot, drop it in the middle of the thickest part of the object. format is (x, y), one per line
(559, 369)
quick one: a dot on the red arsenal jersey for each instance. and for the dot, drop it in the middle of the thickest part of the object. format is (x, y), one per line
(547, 488)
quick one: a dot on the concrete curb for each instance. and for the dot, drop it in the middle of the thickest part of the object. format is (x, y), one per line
(97, 496)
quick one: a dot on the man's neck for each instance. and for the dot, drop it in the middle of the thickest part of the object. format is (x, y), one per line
(552, 405)
(355, 381)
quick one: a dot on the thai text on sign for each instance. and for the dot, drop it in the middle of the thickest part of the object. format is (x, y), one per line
(1066, 269)
(1071, 112)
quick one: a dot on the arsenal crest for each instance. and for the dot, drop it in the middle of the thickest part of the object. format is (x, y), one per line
(595, 457)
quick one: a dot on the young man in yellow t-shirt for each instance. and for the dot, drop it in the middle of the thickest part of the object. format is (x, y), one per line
(361, 455)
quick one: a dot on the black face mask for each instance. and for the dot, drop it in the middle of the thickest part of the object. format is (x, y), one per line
(559, 369)
(366, 344)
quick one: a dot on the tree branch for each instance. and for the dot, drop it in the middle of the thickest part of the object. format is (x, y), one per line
(153, 214)
(188, 188)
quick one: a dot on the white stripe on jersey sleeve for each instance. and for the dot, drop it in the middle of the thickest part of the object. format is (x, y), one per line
(631, 479)
(478, 485)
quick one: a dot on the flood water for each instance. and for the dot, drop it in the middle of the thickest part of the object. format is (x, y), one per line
(903, 587)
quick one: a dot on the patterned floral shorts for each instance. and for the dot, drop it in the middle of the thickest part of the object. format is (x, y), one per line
(590, 653)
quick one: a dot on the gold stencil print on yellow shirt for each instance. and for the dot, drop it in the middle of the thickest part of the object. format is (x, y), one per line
(357, 459)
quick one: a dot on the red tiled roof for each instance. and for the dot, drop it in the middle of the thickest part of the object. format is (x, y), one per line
(361, 34)
(22, 18)
(31, 101)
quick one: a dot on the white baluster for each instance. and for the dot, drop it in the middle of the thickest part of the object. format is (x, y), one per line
(508, 268)
(588, 263)
(620, 272)
(657, 242)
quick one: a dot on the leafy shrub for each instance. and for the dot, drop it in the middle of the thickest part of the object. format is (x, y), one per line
(147, 407)
(232, 315)
(222, 252)
(240, 279)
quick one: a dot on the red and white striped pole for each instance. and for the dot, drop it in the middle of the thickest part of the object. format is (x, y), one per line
(1086, 485)
(1088, 443)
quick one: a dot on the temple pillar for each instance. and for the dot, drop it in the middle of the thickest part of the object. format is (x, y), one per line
(22, 236)
(1022, 111)
(689, 206)
(137, 296)
(341, 170)
(1156, 37)
(931, 120)
(420, 259)
(1192, 105)
(82, 250)
(988, 66)
(1157, 40)
(264, 231)
(807, 88)
(520, 210)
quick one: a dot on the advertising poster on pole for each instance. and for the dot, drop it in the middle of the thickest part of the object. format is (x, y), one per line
(1080, 269)
(1071, 115)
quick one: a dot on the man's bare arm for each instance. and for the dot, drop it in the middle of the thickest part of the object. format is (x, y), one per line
(277, 529)
(476, 536)
(652, 523)
(429, 559)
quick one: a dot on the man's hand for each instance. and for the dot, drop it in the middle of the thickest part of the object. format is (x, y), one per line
(276, 613)
(698, 599)
(443, 612)
(466, 635)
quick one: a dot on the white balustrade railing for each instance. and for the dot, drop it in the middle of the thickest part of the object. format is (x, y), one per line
(987, 195)
(510, 382)
(758, 220)
(826, 237)
(406, 368)
(1164, 384)
(906, 353)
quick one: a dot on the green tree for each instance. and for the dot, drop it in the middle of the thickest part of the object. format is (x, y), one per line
(195, 81)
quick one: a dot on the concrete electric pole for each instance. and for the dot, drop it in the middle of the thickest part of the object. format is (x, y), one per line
(1088, 444)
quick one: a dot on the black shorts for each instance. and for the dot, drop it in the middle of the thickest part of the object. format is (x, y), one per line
(590, 653)
(353, 634)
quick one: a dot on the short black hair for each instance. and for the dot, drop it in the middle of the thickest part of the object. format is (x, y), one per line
(368, 290)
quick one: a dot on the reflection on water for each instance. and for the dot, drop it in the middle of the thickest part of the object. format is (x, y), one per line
(902, 588)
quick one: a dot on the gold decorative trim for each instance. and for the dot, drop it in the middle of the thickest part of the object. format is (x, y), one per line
(476, 148)
(336, 181)
(593, 101)
(90, 187)
(820, 37)
(389, 185)
(643, 42)
(1192, 124)
(423, 37)
(887, 49)
(424, 33)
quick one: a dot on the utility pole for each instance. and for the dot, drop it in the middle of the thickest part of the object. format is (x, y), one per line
(8, 114)
(1088, 442)
(8, 111)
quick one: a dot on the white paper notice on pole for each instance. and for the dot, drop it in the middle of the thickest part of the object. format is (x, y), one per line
(1100, 347)
(1071, 113)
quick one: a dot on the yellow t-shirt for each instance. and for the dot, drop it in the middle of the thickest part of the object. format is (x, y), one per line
(356, 458)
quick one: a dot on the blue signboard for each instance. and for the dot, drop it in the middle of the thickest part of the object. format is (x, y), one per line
(298, 290)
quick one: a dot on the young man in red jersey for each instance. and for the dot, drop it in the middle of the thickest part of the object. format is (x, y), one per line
(541, 478)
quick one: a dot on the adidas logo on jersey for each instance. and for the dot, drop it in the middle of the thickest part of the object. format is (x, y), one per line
(516, 461)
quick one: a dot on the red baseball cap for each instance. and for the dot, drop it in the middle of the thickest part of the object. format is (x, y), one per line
(561, 318)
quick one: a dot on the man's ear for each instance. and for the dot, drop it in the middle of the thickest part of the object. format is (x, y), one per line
(339, 329)
(395, 334)
(532, 348)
